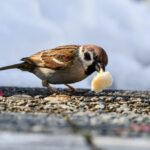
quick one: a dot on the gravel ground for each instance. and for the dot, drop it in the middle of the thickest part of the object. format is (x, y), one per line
(113, 113)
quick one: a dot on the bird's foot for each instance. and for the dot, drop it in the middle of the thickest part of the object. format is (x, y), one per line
(71, 89)
(51, 90)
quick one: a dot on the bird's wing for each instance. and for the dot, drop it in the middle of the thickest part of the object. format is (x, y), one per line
(57, 58)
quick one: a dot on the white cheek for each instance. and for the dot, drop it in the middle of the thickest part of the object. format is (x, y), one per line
(86, 63)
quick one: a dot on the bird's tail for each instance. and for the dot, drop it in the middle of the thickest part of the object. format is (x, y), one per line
(11, 66)
(24, 66)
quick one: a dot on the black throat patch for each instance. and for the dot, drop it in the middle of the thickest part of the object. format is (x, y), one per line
(90, 69)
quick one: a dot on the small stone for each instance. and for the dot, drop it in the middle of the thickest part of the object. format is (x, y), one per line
(58, 98)
(48, 106)
(21, 103)
(1, 98)
(51, 100)
(82, 104)
(22, 96)
(119, 98)
(94, 99)
(38, 96)
(97, 107)
(64, 106)
(109, 99)
(102, 105)
(2, 108)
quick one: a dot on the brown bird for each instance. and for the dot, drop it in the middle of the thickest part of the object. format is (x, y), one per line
(64, 64)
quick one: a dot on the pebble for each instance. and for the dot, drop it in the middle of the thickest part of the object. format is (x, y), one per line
(97, 107)
(58, 98)
(22, 102)
(101, 105)
(47, 107)
(64, 106)
(38, 96)
(2, 108)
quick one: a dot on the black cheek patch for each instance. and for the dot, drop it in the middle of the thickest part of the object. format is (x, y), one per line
(87, 56)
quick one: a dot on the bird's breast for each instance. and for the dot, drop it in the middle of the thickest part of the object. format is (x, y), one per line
(73, 74)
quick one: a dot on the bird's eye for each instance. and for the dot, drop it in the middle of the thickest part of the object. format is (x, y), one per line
(87, 56)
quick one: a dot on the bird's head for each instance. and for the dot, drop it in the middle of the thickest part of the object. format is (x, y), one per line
(93, 58)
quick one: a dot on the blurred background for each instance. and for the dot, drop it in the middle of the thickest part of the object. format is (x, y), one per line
(121, 27)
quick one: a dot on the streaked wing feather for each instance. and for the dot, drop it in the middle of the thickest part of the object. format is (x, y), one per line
(57, 58)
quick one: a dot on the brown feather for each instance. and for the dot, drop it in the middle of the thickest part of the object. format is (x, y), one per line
(57, 58)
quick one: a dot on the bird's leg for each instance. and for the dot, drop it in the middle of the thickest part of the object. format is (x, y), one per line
(45, 83)
(72, 89)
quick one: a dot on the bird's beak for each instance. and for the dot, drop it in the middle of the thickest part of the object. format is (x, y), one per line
(100, 66)
(103, 67)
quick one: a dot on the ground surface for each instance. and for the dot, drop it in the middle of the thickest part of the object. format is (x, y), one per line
(30, 118)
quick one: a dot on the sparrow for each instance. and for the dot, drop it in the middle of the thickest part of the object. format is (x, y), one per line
(64, 64)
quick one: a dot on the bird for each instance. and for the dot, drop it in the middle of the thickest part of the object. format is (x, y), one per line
(65, 64)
